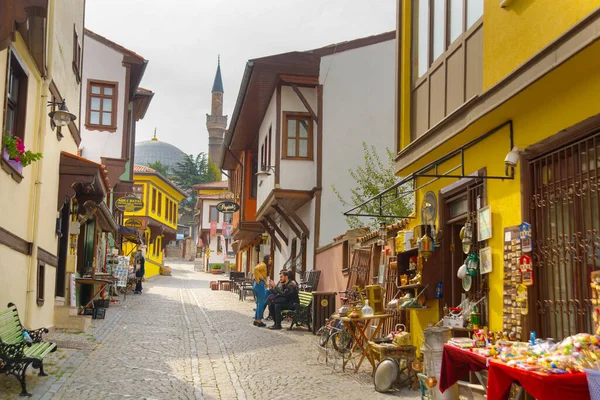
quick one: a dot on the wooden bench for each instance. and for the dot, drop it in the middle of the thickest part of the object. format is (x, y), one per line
(301, 314)
(15, 354)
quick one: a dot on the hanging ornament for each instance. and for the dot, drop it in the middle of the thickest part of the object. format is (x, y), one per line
(466, 235)
(472, 264)
(426, 246)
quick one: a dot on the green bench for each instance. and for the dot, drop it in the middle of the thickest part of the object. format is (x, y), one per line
(301, 314)
(15, 354)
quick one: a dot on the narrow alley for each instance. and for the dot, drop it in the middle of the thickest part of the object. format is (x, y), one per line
(180, 340)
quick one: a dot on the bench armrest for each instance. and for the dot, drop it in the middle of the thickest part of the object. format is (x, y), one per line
(12, 351)
(36, 334)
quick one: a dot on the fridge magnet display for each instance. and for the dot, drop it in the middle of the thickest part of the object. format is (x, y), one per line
(525, 236)
(526, 265)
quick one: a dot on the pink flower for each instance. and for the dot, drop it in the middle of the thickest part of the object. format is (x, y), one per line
(18, 159)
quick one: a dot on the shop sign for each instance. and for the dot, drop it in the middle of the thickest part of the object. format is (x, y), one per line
(134, 223)
(525, 236)
(129, 204)
(526, 266)
(228, 207)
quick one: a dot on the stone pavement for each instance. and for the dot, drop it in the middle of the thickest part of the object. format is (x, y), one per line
(180, 340)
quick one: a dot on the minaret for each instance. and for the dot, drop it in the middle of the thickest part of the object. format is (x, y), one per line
(216, 122)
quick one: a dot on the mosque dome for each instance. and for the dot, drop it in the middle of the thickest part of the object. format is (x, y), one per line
(151, 151)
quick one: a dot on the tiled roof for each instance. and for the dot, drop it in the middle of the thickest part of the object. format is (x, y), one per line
(142, 168)
(212, 185)
(112, 44)
(390, 228)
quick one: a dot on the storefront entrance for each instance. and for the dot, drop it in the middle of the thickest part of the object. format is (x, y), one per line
(563, 207)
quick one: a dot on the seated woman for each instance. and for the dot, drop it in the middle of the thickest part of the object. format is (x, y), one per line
(284, 297)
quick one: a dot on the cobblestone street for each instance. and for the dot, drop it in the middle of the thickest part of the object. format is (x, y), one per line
(180, 340)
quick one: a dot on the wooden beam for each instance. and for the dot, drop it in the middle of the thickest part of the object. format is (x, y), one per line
(287, 219)
(278, 136)
(277, 229)
(305, 102)
(271, 233)
(296, 219)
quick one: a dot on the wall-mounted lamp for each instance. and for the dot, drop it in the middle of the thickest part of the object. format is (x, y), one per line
(62, 116)
(264, 171)
(511, 160)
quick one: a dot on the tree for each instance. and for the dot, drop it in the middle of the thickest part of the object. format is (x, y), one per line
(371, 179)
(160, 168)
(189, 172)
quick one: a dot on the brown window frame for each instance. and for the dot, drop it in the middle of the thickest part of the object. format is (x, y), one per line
(77, 55)
(432, 62)
(287, 116)
(40, 293)
(210, 209)
(18, 101)
(269, 146)
(159, 203)
(154, 200)
(114, 111)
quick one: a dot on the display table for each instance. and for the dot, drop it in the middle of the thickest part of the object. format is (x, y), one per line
(540, 386)
(94, 281)
(358, 328)
(457, 362)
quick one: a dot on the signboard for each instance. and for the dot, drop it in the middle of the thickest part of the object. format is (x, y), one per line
(228, 206)
(129, 204)
(213, 229)
(134, 223)
(525, 236)
(180, 236)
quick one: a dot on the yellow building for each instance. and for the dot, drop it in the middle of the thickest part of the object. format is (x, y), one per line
(158, 217)
(37, 65)
(498, 105)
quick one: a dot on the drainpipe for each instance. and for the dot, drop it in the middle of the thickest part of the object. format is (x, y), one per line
(34, 202)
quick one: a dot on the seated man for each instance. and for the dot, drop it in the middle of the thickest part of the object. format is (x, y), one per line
(286, 296)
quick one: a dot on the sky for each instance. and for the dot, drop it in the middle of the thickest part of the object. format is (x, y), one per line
(182, 39)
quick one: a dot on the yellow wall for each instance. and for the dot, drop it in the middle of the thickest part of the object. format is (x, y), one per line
(558, 101)
(154, 252)
(514, 34)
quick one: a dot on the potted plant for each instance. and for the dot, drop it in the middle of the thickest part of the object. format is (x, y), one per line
(15, 154)
(216, 269)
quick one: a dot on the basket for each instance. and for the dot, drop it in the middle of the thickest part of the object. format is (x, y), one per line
(593, 380)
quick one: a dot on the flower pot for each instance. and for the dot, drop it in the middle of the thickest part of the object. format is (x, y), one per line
(217, 271)
(15, 164)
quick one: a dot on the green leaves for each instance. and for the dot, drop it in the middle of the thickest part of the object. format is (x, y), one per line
(160, 168)
(371, 179)
(191, 171)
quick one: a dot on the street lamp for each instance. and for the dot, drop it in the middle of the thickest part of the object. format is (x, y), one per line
(62, 116)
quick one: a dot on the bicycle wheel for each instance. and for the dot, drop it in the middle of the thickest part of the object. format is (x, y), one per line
(323, 336)
(342, 341)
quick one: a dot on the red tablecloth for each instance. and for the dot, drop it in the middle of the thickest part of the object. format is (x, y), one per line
(456, 363)
(540, 386)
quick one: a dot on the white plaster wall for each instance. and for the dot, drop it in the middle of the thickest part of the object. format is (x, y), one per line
(100, 62)
(266, 184)
(358, 104)
(63, 16)
(297, 174)
(307, 214)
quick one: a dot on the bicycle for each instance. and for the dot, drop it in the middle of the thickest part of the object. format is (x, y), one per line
(335, 331)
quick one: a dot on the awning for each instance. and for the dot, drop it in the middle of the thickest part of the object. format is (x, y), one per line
(131, 235)
(81, 177)
(374, 207)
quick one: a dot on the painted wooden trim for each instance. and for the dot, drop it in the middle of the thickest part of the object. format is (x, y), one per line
(297, 220)
(287, 219)
(47, 257)
(304, 101)
(278, 136)
(14, 242)
(272, 234)
(277, 229)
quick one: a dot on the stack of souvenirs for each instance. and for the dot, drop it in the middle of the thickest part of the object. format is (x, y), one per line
(574, 354)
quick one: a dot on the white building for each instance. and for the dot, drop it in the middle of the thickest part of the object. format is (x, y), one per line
(214, 227)
(303, 117)
(111, 103)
